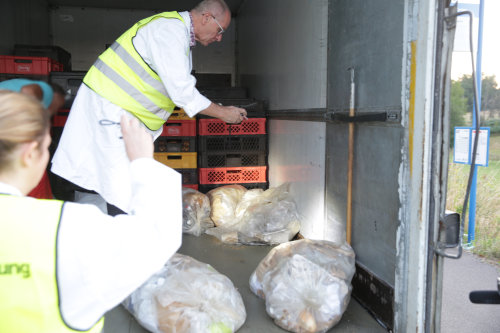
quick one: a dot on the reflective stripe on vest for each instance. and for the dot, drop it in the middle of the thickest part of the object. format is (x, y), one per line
(121, 76)
(28, 267)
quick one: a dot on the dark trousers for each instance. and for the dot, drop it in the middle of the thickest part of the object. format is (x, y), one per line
(113, 210)
(63, 189)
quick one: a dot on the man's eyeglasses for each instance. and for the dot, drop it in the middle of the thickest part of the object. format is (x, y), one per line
(221, 29)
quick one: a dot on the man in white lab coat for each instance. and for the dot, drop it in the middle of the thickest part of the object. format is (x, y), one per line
(144, 74)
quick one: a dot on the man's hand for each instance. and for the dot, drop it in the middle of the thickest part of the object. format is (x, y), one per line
(228, 114)
(233, 115)
(138, 142)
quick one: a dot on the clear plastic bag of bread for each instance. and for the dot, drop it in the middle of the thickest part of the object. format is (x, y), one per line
(195, 212)
(187, 296)
(306, 284)
(223, 201)
(253, 216)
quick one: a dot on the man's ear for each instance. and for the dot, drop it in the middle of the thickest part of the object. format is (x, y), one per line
(29, 153)
(205, 17)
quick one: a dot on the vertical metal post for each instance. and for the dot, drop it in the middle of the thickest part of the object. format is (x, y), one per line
(471, 233)
(350, 161)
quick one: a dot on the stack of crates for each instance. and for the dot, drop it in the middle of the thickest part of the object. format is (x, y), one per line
(233, 153)
(176, 147)
(37, 68)
(53, 52)
(34, 62)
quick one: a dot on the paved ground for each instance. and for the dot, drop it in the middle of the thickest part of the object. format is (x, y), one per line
(460, 277)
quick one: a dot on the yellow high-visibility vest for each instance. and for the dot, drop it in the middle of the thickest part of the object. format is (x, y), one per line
(122, 77)
(29, 290)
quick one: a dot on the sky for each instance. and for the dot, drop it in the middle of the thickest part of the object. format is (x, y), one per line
(490, 59)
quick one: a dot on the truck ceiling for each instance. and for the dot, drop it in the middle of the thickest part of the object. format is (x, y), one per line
(160, 5)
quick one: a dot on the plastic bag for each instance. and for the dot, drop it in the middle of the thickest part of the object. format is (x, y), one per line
(223, 201)
(195, 212)
(259, 217)
(306, 284)
(187, 296)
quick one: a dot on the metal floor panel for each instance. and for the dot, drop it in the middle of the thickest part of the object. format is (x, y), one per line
(238, 263)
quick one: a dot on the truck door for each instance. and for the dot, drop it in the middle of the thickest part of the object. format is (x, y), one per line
(442, 227)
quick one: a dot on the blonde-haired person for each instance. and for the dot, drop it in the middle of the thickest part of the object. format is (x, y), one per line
(52, 97)
(63, 265)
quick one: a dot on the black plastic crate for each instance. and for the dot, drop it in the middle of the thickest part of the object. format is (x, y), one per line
(224, 159)
(55, 134)
(204, 188)
(233, 143)
(223, 92)
(70, 82)
(189, 176)
(212, 80)
(175, 144)
(54, 52)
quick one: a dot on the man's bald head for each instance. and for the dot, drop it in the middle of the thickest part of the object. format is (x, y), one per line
(217, 7)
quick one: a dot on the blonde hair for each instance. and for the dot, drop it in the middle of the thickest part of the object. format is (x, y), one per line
(22, 120)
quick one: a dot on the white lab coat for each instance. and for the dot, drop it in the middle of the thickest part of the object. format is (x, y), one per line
(102, 259)
(92, 155)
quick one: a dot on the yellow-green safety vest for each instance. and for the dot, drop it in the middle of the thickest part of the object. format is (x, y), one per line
(122, 77)
(29, 293)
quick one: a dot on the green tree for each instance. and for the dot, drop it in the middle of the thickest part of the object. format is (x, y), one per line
(466, 83)
(490, 95)
(458, 107)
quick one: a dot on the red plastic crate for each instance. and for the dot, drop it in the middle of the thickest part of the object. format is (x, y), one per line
(193, 186)
(251, 126)
(59, 119)
(233, 175)
(29, 65)
(179, 128)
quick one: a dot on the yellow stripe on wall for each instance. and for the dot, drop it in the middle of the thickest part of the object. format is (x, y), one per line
(411, 110)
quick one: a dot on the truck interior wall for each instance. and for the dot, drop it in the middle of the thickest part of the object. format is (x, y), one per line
(281, 53)
(23, 22)
(297, 155)
(7, 37)
(281, 59)
(85, 32)
(369, 37)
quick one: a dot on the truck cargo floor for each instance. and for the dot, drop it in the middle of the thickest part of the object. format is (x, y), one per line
(238, 263)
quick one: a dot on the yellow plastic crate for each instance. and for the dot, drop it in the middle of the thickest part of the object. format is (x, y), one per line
(179, 114)
(177, 160)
